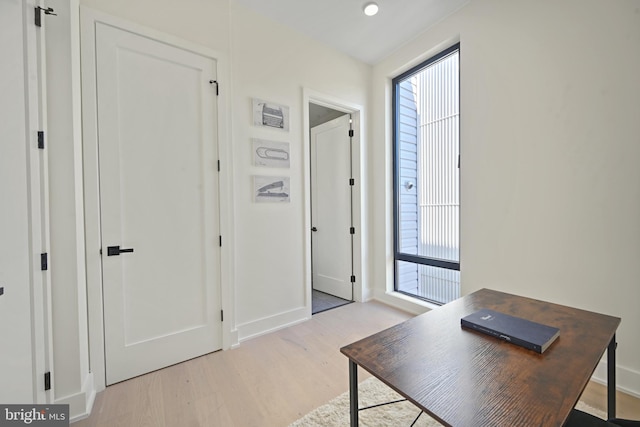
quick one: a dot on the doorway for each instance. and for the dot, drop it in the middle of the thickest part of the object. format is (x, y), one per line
(332, 228)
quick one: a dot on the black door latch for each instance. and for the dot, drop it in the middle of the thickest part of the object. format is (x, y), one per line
(115, 250)
(38, 15)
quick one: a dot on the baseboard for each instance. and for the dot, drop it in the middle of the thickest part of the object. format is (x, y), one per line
(233, 338)
(272, 323)
(80, 404)
(627, 380)
(366, 294)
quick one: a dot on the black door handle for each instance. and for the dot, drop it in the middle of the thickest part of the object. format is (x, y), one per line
(115, 250)
(314, 229)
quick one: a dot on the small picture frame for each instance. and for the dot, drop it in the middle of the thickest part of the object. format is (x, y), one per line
(271, 189)
(270, 114)
(271, 154)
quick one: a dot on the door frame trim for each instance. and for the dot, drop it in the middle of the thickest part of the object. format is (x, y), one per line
(88, 20)
(360, 292)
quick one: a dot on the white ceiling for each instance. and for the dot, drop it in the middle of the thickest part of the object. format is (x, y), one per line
(342, 25)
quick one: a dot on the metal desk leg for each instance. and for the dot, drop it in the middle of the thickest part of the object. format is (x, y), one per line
(353, 393)
(611, 378)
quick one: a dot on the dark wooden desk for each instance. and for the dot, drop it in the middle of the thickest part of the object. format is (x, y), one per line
(464, 378)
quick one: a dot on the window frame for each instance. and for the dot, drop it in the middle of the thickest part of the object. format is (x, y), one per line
(397, 255)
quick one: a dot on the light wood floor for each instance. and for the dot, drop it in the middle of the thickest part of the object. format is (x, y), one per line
(267, 381)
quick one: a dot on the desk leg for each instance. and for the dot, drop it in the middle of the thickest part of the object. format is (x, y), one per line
(353, 392)
(611, 378)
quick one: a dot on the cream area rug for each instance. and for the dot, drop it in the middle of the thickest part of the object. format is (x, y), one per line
(372, 392)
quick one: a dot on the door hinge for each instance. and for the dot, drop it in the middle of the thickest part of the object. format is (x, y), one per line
(222, 315)
(44, 262)
(350, 133)
(220, 240)
(458, 161)
(352, 230)
(218, 165)
(352, 181)
(38, 17)
(41, 140)
(47, 381)
(1, 290)
(353, 279)
(215, 82)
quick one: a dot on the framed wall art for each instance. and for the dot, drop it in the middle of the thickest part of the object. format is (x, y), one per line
(272, 154)
(271, 189)
(270, 114)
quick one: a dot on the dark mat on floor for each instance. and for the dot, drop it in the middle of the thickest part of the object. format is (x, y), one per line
(323, 302)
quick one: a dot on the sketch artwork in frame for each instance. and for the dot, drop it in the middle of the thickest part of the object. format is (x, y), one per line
(271, 154)
(271, 189)
(270, 114)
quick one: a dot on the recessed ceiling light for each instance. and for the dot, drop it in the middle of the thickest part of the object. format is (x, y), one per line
(370, 9)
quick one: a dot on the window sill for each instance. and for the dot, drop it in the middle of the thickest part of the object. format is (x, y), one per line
(405, 302)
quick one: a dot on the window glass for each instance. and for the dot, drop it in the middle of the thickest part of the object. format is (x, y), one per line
(426, 178)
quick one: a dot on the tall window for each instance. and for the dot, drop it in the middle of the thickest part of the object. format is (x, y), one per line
(426, 117)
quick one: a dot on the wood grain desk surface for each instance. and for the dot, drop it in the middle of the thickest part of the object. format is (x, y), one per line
(465, 378)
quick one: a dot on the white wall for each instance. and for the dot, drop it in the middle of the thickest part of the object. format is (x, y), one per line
(273, 63)
(550, 137)
(72, 379)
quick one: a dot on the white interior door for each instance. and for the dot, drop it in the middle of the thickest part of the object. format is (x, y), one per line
(159, 198)
(16, 363)
(331, 208)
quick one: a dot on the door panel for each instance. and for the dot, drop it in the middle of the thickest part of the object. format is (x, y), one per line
(16, 324)
(331, 208)
(158, 187)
